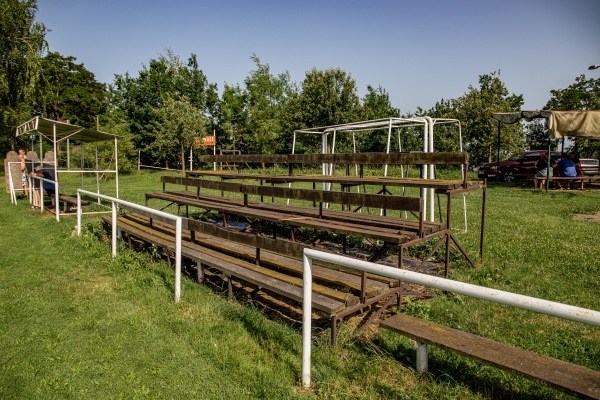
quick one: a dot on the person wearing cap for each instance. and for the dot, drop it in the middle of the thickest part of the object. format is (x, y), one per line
(567, 168)
(47, 186)
(542, 170)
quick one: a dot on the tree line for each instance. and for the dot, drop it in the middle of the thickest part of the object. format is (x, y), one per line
(170, 101)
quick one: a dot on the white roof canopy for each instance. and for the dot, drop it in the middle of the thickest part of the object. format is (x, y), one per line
(47, 127)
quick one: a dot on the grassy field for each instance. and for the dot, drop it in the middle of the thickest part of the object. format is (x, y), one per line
(78, 324)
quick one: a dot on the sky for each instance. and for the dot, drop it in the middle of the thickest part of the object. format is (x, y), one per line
(419, 51)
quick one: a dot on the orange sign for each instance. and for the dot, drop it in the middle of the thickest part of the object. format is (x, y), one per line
(209, 140)
(197, 141)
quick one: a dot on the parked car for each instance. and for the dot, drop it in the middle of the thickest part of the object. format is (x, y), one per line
(519, 166)
(590, 165)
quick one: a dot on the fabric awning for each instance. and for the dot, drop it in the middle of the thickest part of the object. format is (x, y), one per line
(585, 124)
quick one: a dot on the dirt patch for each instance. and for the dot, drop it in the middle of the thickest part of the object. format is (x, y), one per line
(588, 217)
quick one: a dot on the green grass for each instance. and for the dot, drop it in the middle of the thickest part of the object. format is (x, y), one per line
(78, 324)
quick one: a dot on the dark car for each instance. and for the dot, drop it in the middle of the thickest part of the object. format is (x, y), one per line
(519, 166)
(590, 166)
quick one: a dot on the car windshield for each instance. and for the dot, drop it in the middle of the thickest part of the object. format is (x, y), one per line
(515, 157)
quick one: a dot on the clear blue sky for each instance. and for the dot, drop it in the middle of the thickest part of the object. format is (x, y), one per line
(420, 51)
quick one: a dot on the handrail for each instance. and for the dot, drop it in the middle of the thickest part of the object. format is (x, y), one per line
(56, 193)
(146, 211)
(565, 311)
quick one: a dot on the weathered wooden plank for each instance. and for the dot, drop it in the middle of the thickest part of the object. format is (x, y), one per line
(438, 184)
(348, 227)
(560, 374)
(418, 158)
(243, 270)
(236, 243)
(312, 195)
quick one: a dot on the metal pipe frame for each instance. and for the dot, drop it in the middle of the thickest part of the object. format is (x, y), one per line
(560, 310)
(145, 211)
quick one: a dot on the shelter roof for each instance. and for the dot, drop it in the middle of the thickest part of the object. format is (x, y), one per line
(46, 127)
(366, 125)
(578, 123)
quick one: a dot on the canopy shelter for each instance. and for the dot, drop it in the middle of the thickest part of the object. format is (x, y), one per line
(582, 123)
(56, 133)
(390, 124)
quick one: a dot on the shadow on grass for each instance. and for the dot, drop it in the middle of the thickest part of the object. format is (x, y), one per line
(450, 369)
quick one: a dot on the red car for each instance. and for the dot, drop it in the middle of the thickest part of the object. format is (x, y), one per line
(519, 166)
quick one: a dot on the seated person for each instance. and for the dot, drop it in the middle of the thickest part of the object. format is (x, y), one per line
(567, 168)
(47, 186)
(575, 158)
(542, 169)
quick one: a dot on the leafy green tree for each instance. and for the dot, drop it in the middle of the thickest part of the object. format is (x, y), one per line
(327, 97)
(179, 123)
(232, 118)
(536, 137)
(68, 91)
(584, 94)
(164, 77)
(22, 43)
(376, 104)
(480, 130)
(266, 97)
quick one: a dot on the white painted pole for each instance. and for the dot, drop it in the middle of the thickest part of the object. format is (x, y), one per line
(565, 311)
(114, 229)
(177, 259)
(97, 167)
(306, 318)
(560, 310)
(56, 194)
(132, 206)
(78, 213)
(388, 146)
(116, 169)
(431, 172)
(424, 168)
(215, 149)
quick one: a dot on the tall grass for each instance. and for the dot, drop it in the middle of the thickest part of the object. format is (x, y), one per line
(78, 324)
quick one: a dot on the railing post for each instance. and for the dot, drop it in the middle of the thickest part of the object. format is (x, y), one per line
(78, 213)
(306, 319)
(422, 357)
(114, 229)
(177, 259)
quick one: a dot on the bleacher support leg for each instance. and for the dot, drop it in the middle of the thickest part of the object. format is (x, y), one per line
(422, 359)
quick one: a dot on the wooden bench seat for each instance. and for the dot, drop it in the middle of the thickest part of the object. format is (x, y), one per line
(374, 285)
(565, 376)
(327, 300)
(570, 179)
(392, 223)
(275, 214)
(70, 201)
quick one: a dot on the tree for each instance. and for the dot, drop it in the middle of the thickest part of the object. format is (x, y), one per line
(266, 99)
(480, 130)
(375, 105)
(584, 94)
(68, 91)
(165, 77)
(22, 42)
(328, 97)
(179, 123)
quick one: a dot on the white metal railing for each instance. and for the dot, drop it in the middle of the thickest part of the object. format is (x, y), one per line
(497, 296)
(41, 189)
(145, 211)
